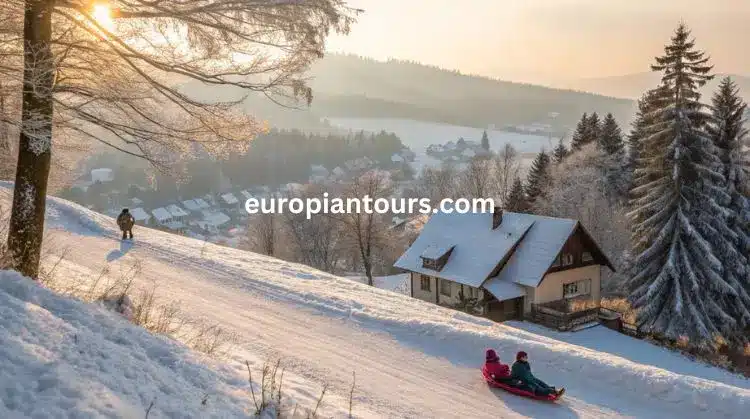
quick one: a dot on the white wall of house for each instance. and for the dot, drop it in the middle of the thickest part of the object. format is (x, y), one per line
(551, 288)
(418, 292)
(454, 297)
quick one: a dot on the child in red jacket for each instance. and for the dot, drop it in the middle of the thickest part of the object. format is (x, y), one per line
(496, 369)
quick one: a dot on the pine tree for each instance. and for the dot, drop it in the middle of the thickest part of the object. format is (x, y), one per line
(728, 134)
(538, 178)
(560, 152)
(485, 141)
(580, 135)
(517, 201)
(593, 129)
(610, 140)
(677, 285)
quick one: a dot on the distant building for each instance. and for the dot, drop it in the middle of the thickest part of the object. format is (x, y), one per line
(102, 175)
(140, 215)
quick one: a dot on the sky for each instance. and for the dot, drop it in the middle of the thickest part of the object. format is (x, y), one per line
(546, 41)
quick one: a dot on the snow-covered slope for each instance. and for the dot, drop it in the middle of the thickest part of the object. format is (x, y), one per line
(412, 359)
(63, 358)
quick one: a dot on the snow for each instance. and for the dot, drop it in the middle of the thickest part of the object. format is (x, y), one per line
(102, 175)
(399, 283)
(229, 198)
(63, 358)
(412, 358)
(176, 211)
(477, 247)
(161, 215)
(140, 214)
(215, 218)
(191, 205)
(536, 252)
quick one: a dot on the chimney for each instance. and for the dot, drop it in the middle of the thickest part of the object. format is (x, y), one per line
(497, 217)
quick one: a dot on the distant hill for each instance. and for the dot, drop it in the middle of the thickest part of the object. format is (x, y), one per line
(350, 86)
(632, 86)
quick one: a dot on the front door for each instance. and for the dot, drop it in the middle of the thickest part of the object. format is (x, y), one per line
(501, 311)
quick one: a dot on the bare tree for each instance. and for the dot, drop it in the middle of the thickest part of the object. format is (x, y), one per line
(507, 167)
(262, 233)
(117, 79)
(317, 241)
(368, 230)
(476, 180)
(437, 183)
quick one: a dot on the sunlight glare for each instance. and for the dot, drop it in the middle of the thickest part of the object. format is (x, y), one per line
(101, 13)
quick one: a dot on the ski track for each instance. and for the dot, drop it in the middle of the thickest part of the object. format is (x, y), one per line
(397, 374)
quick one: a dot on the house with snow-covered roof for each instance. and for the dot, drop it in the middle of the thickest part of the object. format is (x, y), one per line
(228, 200)
(140, 215)
(178, 214)
(507, 264)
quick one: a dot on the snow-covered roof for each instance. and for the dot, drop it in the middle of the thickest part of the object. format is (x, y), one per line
(397, 158)
(202, 204)
(536, 252)
(477, 248)
(161, 214)
(504, 290)
(140, 214)
(191, 205)
(136, 201)
(102, 175)
(246, 194)
(229, 198)
(435, 251)
(176, 211)
(215, 218)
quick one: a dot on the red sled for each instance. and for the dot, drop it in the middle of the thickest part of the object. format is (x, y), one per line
(516, 390)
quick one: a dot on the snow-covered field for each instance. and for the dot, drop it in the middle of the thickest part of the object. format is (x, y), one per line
(412, 359)
(397, 283)
(418, 135)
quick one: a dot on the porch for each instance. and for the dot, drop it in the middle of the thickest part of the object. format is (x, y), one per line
(565, 315)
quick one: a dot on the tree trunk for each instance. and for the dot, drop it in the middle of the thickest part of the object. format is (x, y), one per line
(35, 144)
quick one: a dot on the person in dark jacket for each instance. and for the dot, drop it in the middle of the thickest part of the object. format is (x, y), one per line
(126, 221)
(521, 371)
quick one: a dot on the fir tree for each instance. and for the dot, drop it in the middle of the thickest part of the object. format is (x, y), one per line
(677, 284)
(580, 135)
(538, 178)
(593, 129)
(728, 134)
(560, 152)
(610, 140)
(517, 201)
(485, 141)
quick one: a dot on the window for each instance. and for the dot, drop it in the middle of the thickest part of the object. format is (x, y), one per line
(576, 289)
(424, 283)
(445, 287)
(587, 257)
(430, 264)
(564, 259)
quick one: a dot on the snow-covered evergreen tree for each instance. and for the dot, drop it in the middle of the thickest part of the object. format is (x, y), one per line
(677, 282)
(560, 152)
(485, 141)
(593, 129)
(517, 201)
(610, 140)
(580, 136)
(729, 135)
(538, 178)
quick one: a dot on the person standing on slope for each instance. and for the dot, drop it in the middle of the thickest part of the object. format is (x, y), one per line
(126, 221)
(521, 371)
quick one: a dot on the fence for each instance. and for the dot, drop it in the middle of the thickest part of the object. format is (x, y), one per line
(560, 320)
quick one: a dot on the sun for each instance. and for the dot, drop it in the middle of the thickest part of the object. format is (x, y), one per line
(103, 16)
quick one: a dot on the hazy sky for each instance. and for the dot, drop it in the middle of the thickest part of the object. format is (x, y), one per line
(547, 40)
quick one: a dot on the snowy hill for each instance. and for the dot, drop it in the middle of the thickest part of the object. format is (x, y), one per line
(412, 359)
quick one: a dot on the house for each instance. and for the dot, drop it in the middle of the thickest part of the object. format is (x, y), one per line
(102, 175)
(162, 216)
(506, 263)
(140, 215)
(228, 200)
(178, 214)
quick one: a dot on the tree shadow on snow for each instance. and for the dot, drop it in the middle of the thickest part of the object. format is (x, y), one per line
(115, 254)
